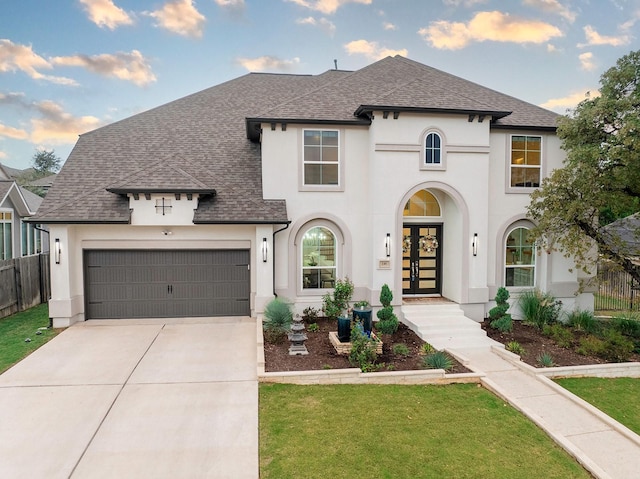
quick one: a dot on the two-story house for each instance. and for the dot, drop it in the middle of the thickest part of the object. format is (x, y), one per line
(269, 184)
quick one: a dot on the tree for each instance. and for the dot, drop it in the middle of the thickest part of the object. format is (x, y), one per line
(600, 178)
(46, 163)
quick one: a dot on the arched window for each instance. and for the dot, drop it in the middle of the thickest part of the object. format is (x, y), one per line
(432, 149)
(520, 259)
(319, 258)
(422, 203)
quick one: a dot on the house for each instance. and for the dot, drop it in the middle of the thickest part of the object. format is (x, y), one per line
(274, 184)
(17, 236)
(623, 237)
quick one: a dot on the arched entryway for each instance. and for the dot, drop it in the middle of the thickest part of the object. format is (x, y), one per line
(432, 222)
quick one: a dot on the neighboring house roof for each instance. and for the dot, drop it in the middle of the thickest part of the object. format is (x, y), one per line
(624, 235)
(200, 143)
(33, 201)
(9, 190)
(44, 182)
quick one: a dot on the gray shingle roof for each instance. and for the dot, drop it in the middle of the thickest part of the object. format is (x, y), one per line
(623, 235)
(200, 141)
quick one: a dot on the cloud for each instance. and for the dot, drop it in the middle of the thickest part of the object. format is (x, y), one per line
(569, 101)
(57, 126)
(327, 7)
(181, 17)
(105, 13)
(372, 50)
(130, 66)
(586, 61)
(388, 26)
(21, 57)
(231, 5)
(494, 26)
(554, 7)
(323, 23)
(466, 3)
(269, 63)
(594, 38)
(14, 133)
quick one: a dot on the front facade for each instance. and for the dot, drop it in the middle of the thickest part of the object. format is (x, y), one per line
(396, 173)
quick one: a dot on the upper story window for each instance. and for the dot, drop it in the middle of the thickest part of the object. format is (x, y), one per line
(6, 243)
(319, 258)
(321, 157)
(432, 149)
(520, 259)
(526, 160)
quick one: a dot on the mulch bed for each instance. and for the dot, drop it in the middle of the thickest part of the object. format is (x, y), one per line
(322, 354)
(535, 343)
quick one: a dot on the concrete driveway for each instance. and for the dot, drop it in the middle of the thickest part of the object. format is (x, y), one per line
(134, 399)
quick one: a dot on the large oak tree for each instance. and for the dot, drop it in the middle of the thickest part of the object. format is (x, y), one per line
(600, 179)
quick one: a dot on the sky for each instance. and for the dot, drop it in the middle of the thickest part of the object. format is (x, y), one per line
(71, 66)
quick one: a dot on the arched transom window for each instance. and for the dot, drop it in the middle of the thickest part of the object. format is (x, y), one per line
(432, 149)
(423, 203)
(318, 258)
(520, 259)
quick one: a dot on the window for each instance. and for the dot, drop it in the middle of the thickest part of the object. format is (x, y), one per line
(6, 249)
(422, 203)
(526, 152)
(318, 258)
(163, 206)
(520, 259)
(31, 241)
(432, 149)
(321, 157)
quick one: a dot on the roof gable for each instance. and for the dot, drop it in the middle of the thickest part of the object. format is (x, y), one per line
(11, 193)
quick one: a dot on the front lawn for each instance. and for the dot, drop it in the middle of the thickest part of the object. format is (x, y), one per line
(616, 397)
(15, 329)
(345, 431)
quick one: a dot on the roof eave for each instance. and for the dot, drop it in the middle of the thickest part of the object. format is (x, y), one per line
(495, 114)
(169, 190)
(253, 124)
(551, 129)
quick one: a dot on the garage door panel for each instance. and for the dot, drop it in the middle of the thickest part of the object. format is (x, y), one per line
(151, 283)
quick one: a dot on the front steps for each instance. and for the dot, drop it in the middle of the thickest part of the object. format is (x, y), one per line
(445, 326)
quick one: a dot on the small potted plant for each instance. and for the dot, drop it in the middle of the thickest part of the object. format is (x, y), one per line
(362, 313)
(336, 305)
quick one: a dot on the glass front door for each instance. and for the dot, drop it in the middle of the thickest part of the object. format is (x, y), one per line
(421, 259)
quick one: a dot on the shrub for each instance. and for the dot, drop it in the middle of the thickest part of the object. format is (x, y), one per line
(545, 360)
(438, 360)
(539, 308)
(501, 307)
(277, 320)
(388, 321)
(503, 324)
(426, 348)
(363, 351)
(627, 325)
(515, 347)
(617, 348)
(310, 314)
(337, 303)
(562, 336)
(591, 346)
(583, 321)
(313, 328)
(400, 349)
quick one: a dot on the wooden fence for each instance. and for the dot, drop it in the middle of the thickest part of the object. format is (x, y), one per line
(24, 282)
(616, 290)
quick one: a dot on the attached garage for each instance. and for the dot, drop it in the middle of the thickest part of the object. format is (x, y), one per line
(166, 283)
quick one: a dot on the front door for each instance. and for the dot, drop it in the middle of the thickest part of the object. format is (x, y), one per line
(421, 259)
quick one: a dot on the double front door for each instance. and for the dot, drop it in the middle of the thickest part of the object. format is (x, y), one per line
(421, 259)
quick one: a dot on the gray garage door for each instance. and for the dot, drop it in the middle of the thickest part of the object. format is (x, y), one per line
(166, 283)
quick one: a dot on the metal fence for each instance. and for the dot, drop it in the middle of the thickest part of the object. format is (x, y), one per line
(617, 291)
(24, 282)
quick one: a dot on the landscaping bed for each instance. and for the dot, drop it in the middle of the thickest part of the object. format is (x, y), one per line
(322, 354)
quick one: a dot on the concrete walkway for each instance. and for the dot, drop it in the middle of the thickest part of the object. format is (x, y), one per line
(604, 447)
(136, 399)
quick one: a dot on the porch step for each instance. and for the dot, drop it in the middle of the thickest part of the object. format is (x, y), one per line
(444, 326)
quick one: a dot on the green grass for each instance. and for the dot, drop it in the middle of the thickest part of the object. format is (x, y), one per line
(16, 328)
(457, 431)
(616, 397)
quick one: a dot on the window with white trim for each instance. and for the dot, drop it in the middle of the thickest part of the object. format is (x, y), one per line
(6, 242)
(319, 255)
(31, 239)
(432, 149)
(520, 259)
(526, 161)
(321, 157)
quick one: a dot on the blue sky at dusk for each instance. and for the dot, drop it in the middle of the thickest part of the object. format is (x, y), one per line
(70, 66)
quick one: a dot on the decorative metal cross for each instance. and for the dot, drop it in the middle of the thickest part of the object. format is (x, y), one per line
(163, 206)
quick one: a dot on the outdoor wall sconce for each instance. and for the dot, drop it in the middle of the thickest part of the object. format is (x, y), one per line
(474, 244)
(57, 251)
(265, 250)
(387, 244)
